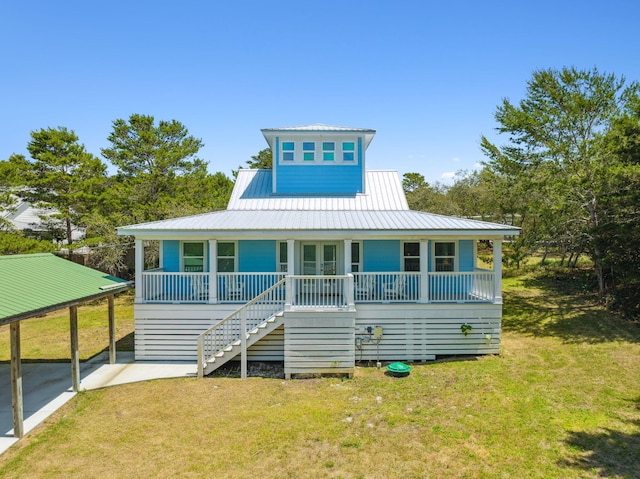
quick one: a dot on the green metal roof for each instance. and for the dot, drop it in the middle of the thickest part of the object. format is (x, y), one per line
(31, 284)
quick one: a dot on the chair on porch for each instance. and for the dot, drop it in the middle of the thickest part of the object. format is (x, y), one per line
(395, 288)
(234, 289)
(363, 289)
(199, 288)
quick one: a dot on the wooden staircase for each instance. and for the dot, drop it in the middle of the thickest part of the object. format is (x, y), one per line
(244, 327)
(234, 348)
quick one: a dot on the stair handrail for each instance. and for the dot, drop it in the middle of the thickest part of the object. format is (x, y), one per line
(215, 345)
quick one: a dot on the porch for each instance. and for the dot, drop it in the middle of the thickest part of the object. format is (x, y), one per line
(320, 291)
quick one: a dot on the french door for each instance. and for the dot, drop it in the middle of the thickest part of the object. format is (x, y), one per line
(320, 259)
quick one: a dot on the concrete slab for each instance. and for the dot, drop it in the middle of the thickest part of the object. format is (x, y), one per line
(47, 386)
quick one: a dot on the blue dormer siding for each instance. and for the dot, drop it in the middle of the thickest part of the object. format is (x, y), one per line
(314, 179)
(318, 164)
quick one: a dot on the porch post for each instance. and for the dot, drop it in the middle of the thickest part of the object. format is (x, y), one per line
(347, 256)
(288, 294)
(139, 267)
(75, 356)
(424, 271)
(213, 271)
(497, 270)
(291, 260)
(16, 381)
(161, 254)
(112, 330)
(243, 343)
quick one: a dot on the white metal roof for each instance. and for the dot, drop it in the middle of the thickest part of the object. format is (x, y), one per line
(320, 127)
(317, 222)
(317, 129)
(253, 191)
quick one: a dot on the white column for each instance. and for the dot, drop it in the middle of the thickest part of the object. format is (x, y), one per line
(347, 256)
(139, 267)
(161, 254)
(213, 271)
(288, 295)
(424, 271)
(291, 260)
(497, 270)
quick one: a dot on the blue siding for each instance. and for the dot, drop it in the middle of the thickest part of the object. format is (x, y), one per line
(383, 255)
(171, 255)
(256, 256)
(330, 179)
(467, 253)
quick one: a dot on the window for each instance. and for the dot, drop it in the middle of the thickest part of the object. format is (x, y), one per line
(445, 256)
(328, 150)
(411, 256)
(355, 257)
(287, 150)
(308, 149)
(193, 257)
(283, 264)
(226, 257)
(348, 148)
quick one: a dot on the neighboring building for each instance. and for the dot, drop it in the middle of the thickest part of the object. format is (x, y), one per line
(31, 220)
(324, 262)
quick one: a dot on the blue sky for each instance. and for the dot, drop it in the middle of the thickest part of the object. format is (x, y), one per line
(426, 75)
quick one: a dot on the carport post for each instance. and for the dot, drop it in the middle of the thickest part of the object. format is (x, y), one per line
(16, 380)
(75, 361)
(112, 332)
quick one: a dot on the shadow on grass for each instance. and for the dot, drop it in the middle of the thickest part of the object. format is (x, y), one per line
(126, 343)
(607, 452)
(561, 310)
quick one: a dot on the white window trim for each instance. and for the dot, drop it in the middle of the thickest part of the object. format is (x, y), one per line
(205, 250)
(360, 256)
(456, 257)
(235, 256)
(281, 263)
(403, 257)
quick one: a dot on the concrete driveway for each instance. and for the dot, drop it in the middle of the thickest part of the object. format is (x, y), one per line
(47, 386)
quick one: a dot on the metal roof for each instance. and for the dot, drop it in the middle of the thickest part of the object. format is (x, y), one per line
(319, 222)
(319, 127)
(316, 130)
(34, 283)
(253, 190)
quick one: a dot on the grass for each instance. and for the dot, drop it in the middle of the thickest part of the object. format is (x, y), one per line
(561, 401)
(47, 338)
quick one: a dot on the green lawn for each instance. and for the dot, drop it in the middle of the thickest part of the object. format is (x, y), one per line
(562, 401)
(47, 337)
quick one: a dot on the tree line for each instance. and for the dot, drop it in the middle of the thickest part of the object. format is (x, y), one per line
(158, 175)
(567, 173)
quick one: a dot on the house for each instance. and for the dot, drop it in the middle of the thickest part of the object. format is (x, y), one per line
(321, 263)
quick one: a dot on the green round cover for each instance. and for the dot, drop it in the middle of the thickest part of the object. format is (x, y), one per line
(398, 367)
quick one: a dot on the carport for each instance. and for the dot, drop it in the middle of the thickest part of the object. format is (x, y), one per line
(35, 284)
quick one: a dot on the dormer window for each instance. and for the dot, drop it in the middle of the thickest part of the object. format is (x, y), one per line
(288, 148)
(348, 149)
(328, 150)
(308, 151)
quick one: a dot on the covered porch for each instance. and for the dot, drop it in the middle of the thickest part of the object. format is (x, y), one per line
(329, 274)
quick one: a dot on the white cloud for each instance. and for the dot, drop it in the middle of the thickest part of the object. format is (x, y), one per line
(448, 175)
(455, 159)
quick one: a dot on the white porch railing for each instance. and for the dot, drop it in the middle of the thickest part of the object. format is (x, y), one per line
(241, 287)
(322, 291)
(387, 287)
(319, 291)
(163, 287)
(472, 287)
